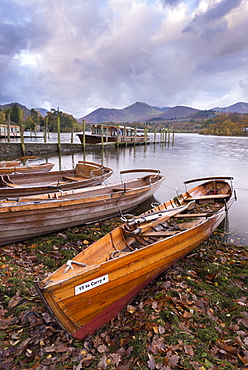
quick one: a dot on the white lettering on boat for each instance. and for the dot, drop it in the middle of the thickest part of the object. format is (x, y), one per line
(91, 284)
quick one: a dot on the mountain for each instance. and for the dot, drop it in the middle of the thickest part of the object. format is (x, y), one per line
(142, 112)
(26, 110)
(164, 109)
(135, 112)
(178, 112)
(23, 107)
(42, 111)
(240, 107)
(138, 111)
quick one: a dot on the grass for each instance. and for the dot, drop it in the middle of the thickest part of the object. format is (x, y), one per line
(192, 317)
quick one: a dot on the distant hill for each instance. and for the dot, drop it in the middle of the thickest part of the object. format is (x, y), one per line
(26, 110)
(42, 111)
(135, 112)
(178, 112)
(139, 112)
(142, 112)
(164, 109)
(237, 107)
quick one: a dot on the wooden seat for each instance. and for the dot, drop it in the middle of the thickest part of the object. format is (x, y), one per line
(119, 189)
(160, 233)
(207, 197)
(183, 215)
(73, 178)
(57, 183)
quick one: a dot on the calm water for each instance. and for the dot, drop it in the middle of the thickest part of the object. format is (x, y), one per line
(191, 156)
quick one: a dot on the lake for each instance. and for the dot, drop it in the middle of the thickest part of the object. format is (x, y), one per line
(191, 156)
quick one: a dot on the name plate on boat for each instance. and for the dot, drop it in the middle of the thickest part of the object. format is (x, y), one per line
(91, 284)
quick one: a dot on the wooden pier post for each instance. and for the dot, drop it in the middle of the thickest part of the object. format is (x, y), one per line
(21, 131)
(125, 132)
(161, 135)
(135, 135)
(107, 134)
(165, 135)
(145, 133)
(84, 128)
(72, 132)
(58, 128)
(102, 141)
(45, 130)
(8, 126)
(155, 131)
(118, 134)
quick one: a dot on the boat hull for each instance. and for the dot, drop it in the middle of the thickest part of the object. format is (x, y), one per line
(97, 139)
(14, 163)
(43, 167)
(34, 217)
(93, 309)
(85, 297)
(22, 185)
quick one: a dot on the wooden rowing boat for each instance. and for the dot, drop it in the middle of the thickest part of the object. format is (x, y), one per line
(99, 282)
(84, 174)
(27, 217)
(13, 163)
(28, 168)
(17, 162)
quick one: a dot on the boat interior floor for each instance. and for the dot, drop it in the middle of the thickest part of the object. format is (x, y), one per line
(136, 238)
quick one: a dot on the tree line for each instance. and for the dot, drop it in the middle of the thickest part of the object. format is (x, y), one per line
(34, 121)
(223, 124)
(226, 124)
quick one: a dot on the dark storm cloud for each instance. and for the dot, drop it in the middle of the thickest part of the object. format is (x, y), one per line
(170, 2)
(213, 19)
(82, 55)
(12, 33)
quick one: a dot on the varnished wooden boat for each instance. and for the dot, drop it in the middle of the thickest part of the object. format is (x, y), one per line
(18, 168)
(31, 216)
(98, 283)
(14, 163)
(17, 162)
(84, 174)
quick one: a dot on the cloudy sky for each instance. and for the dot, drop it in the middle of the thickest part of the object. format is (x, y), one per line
(80, 55)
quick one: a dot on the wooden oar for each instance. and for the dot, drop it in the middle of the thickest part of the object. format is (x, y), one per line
(151, 220)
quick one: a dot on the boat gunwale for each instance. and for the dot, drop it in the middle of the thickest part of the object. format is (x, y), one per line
(89, 322)
(88, 269)
(32, 168)
(210, 178)
(157, 270)
(40, 202)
